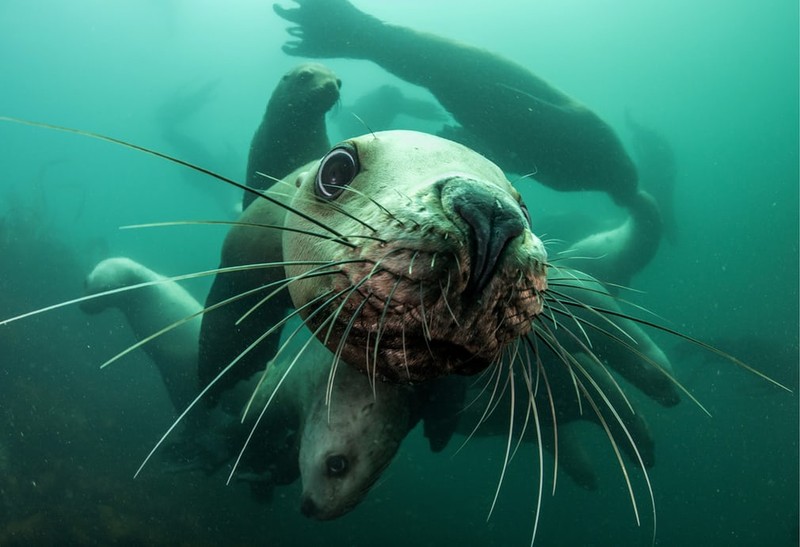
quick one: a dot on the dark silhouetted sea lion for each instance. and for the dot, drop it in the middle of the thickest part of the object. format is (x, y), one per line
(292, 131)
(505, 111)
(379, 108)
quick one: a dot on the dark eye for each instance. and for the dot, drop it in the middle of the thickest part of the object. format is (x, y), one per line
(337, 169)
(337, 465)
(525, 213)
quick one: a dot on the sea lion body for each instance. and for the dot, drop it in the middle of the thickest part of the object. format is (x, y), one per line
(299, 432)
(148, 310)
(293, 130)
(404, 260)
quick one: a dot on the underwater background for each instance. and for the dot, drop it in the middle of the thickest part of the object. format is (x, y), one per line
(717, 81)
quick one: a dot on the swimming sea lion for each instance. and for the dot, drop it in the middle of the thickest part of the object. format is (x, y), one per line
(412, 257)
(337, 432)
(379, 108)
(426, 229)
(292, 131)
(505, 111)
(346, 437)
(148, 310)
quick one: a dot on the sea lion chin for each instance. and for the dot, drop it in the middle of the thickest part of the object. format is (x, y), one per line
(437, 270)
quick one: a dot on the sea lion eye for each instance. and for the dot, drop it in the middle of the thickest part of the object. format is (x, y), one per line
(337, 465)
(338, 169)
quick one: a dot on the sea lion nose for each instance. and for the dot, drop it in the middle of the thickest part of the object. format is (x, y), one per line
(493, 222)
(308, 507)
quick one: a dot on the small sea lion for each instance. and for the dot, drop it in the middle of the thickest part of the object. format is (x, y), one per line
(292, 131)
(336, 431)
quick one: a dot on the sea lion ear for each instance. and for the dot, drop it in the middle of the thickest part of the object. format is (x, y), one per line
(336, 171)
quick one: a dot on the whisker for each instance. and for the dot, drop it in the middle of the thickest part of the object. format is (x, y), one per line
(314, 272)
(605, 311)
(275, 391)
(508, 442)
(375, 202)
(532, 342)
(535, 411)
(494, 378)
(175, 160)
(176, 278)
(197, 398)
(641, 355)
(280, 227)
(567, 300)
(330, 205)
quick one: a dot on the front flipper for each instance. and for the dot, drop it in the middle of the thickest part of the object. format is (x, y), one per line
(326, 28)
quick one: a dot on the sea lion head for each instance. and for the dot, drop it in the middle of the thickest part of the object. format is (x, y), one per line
(430, 265)
(307, 89)
(346, 446)
(108, 275)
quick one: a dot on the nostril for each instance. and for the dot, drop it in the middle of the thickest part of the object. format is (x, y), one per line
(308, 507)
(492, 225)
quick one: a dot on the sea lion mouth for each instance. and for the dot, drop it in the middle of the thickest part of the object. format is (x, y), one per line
(433, 267)
(416, 314)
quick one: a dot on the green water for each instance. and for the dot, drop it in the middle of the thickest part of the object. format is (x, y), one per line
(718, 80)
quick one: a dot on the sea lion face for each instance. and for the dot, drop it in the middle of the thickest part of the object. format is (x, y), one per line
(309, 86)
(434, 267)
(344, 451)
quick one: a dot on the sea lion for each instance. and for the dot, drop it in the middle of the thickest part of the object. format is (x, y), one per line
(346, 437)
(658, 169)
(337, 432)
(378, 109)
(148, 310)
(292, 131)
(412, 256)
(505, 111)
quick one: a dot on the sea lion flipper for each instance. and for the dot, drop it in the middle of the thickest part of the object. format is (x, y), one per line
(316, 36)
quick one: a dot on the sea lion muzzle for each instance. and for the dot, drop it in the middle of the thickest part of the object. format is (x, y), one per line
(493, 220)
